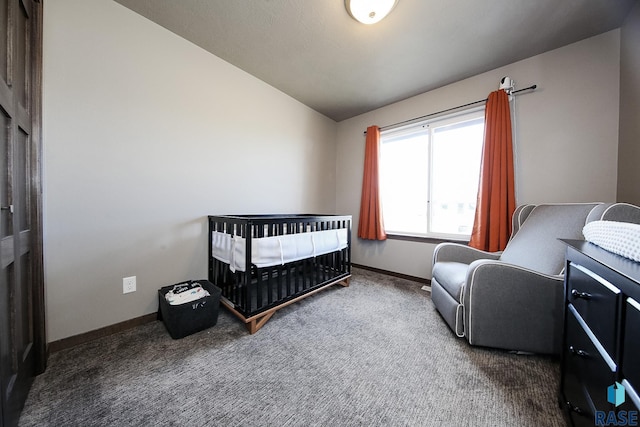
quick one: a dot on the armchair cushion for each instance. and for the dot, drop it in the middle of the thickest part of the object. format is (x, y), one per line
(451, 276)
(456, 252)
(537, 246)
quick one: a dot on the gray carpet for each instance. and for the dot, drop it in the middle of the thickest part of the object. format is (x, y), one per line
(373, 354)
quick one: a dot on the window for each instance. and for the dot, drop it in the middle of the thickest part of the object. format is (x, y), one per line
(429, 176)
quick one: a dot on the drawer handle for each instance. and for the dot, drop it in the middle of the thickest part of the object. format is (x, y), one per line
(574, 408)
(580, 353)
(578, 294)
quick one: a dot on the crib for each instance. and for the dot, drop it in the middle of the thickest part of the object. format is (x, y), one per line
(263, 263)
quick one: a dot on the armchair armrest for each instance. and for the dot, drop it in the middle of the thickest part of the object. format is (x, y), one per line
(513, 308)
(456, 252)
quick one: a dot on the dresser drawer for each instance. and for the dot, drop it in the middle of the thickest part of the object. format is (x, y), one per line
(587, 360)
(631, 343)
(597, 301)
(632, 401)
(576, 401)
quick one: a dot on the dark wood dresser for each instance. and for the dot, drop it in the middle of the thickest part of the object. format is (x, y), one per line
(601, 344)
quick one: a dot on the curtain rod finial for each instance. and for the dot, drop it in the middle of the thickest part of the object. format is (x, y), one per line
(507, 84)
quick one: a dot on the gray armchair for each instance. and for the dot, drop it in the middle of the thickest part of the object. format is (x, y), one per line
(514, 299)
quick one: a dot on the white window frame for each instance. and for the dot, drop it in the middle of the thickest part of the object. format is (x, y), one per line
(428, 126)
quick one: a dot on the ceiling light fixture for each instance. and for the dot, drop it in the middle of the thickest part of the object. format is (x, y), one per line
(369, 11)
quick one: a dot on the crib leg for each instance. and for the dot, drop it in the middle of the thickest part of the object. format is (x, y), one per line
(254, 325)
(258, 321)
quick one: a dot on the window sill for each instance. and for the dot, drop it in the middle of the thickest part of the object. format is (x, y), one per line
(425, 239)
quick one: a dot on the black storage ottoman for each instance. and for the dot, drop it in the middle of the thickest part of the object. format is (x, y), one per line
(191, 317)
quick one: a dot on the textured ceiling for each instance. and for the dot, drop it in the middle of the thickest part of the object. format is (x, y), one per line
(315, 52)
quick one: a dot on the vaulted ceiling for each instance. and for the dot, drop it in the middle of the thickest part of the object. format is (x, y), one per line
(315, 52)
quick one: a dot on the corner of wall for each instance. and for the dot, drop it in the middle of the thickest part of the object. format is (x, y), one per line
(629, 127)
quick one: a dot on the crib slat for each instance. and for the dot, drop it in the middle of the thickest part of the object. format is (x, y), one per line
(269, 285)
(312, 273)
(236, 285)
(305, 268)
(288, 267)
(299, 276)
(259, 287)
(325, 267)
(279, 283)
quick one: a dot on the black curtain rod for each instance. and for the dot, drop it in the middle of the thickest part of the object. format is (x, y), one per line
(532, 87)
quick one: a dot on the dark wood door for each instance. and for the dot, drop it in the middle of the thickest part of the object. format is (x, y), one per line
(21, 307)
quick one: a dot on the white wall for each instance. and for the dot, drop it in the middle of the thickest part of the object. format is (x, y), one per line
(566, 134)
(629, 148)
(144, 135)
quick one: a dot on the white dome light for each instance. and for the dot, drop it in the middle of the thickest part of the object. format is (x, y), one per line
(369, 11)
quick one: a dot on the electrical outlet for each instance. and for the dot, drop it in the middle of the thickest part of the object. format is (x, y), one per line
(129, 284)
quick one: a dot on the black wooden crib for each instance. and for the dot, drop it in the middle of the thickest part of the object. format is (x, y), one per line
(289, 256)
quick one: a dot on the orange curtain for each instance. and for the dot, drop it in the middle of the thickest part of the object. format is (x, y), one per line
(370, 225)
(496, 190)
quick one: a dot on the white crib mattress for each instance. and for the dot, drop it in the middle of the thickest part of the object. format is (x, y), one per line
(276, 250)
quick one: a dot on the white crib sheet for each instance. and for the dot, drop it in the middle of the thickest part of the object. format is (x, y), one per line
(276, 250)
